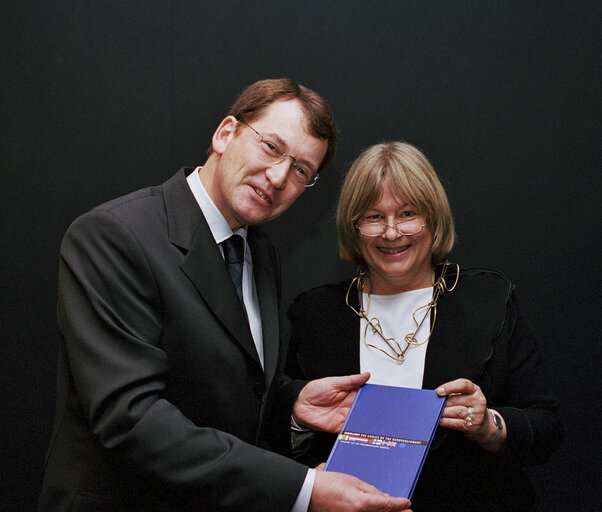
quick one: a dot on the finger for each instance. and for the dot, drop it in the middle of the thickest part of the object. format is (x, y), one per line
(471, 400)
(466, 419)
(380, 496)
(463, 402)
(365, 487)
(383, 503)
(397, 505)
(453, 424)
(358, 380)
(463, 386)
(457, 412)
(460, 421)
(348, 382)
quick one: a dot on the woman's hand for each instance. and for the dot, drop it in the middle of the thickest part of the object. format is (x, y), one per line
(466, 411)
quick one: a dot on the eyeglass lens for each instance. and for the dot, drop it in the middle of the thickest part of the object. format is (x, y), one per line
(410, 227)
(271, 153)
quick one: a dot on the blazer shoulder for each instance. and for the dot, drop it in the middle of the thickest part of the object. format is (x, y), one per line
(136, 215)
(324, 292)
(484, 273)
(494, 282)
(145, 209)
(481, 298)
(321, 302)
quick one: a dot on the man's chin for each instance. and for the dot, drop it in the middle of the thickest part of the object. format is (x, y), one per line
(259, 215)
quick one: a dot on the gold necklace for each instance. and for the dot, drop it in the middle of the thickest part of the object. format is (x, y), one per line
(398, 354)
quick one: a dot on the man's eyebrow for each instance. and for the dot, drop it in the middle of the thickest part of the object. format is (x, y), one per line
(277, 138)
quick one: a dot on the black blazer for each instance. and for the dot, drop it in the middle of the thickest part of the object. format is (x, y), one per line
(479, 334)
(161, 400)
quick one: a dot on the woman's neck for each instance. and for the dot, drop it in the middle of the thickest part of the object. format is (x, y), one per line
(377, 284)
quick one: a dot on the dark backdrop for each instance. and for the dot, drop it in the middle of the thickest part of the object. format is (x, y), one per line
(100, 98)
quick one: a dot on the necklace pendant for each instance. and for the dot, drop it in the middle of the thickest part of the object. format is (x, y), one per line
(400, 358)
(411, 339)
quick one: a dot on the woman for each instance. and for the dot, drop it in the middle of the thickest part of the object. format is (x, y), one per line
(413, 319)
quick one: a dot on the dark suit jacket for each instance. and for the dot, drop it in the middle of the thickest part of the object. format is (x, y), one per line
(479, 334)
(162, 402)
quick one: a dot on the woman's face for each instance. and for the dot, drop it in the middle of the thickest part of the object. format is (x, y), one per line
(396, 262)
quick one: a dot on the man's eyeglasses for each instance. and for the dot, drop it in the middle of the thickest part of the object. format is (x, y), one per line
(406, 227)
(270, 153)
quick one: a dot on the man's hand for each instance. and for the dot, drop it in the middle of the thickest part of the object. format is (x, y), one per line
(323, 404)
(334, 492)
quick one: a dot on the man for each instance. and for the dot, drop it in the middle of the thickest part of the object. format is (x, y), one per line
(169, 381)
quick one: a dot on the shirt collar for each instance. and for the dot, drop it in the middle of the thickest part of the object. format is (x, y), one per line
(220, 229)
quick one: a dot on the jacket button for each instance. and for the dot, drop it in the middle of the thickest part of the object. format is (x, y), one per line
(258, 388)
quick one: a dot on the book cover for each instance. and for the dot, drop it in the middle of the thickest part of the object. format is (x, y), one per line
(386, 437)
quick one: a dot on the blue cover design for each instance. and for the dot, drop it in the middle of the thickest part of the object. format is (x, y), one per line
(386, 437)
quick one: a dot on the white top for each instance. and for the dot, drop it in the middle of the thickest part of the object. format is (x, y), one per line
(394, 313)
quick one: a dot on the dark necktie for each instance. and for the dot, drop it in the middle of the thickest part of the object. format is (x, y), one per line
(234, 250)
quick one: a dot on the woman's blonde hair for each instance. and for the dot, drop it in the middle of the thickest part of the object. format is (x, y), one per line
(409, 176)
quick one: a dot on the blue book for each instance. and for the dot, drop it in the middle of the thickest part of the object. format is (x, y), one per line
(386, 437)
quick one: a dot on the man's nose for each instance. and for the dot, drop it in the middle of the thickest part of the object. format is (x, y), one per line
(277, 173)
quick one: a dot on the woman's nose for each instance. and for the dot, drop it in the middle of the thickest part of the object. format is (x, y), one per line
(391, 232)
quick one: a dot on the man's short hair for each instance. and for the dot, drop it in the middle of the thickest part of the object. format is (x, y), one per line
(409, 176)
(258, 96)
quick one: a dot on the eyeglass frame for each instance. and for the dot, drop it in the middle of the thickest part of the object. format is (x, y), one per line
(313, 179)
(394, 226)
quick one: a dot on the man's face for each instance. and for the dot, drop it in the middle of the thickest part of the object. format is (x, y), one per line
(245, 188)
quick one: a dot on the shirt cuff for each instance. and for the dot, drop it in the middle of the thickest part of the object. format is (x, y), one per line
(296, 427)
(302, 503)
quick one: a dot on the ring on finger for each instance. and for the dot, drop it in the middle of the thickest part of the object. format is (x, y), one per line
(469, 417)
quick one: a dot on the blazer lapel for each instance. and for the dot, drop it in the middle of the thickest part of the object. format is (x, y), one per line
(203, 263)
(461, 342)
(352, 328)
(267, 292)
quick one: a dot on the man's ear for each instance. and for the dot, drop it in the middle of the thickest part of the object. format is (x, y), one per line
(223, 134)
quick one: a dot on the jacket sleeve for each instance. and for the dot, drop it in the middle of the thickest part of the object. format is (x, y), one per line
(522, 396)
(109, 313)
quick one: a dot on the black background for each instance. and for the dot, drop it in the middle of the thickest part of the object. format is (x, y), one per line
(99, 98)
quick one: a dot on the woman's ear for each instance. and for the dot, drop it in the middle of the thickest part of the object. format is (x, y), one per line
(223, 134)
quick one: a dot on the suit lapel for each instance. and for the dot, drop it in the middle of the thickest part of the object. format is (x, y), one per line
(267, 293)
(204, 264)
(352, 327)
(461, 343)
